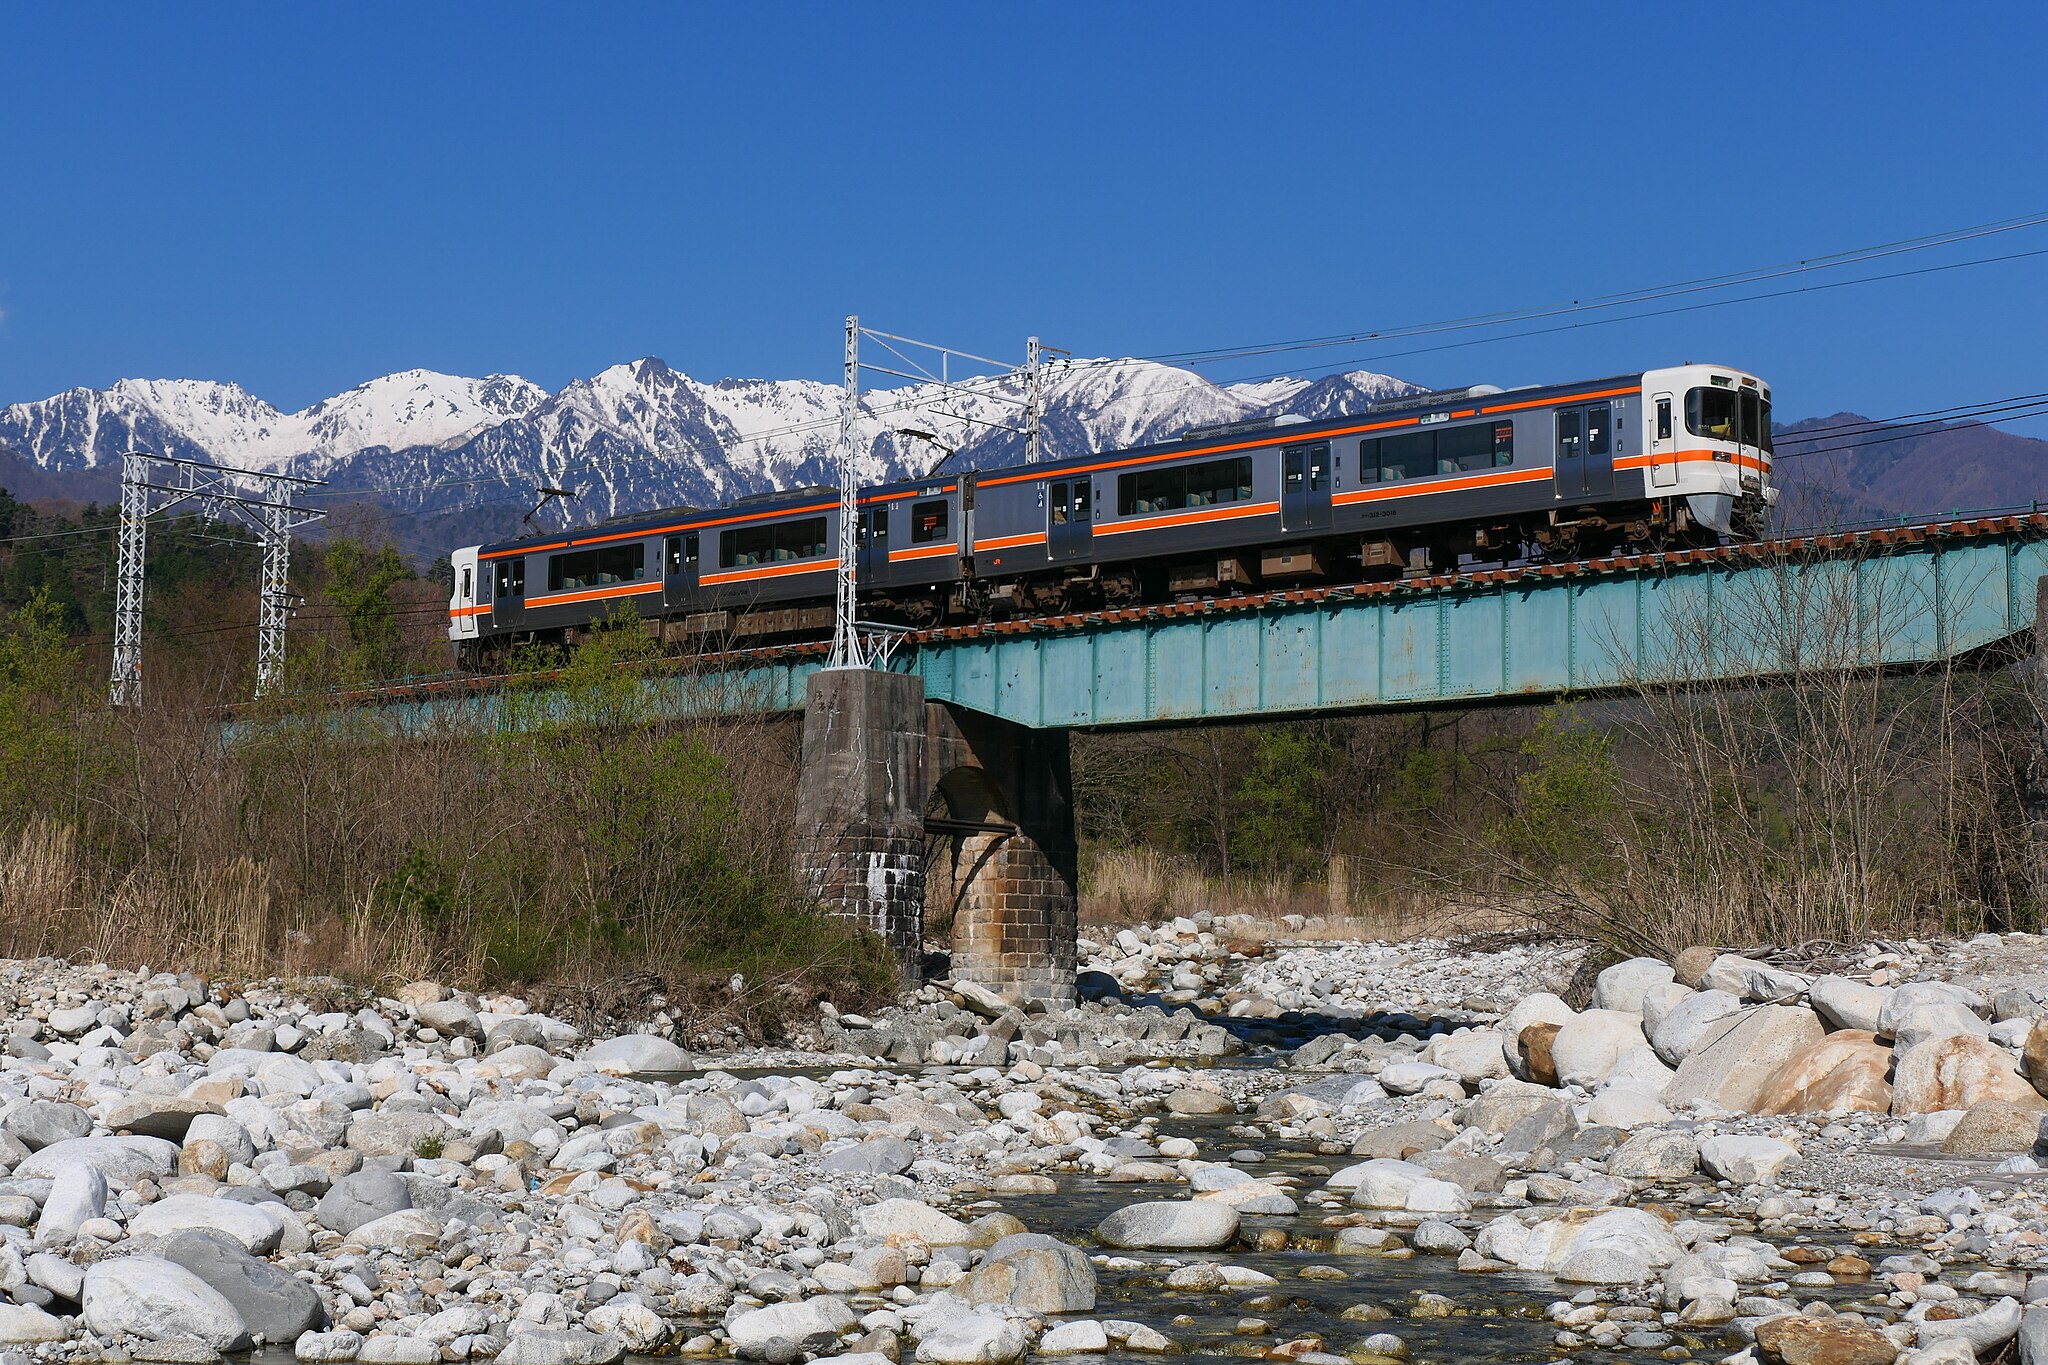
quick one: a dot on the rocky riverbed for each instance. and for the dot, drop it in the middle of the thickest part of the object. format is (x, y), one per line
(1366, 1153)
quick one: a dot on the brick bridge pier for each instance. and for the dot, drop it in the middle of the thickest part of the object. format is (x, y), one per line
(875, 754)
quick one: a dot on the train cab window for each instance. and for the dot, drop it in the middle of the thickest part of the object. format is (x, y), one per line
(512, 577)
(1756, 419)
(580, 569)
(1711, 413)
(929, 521)
(1663, 419)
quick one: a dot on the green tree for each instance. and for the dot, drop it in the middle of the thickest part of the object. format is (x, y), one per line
(359, 582)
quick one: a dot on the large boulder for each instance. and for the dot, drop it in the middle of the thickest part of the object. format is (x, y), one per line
(1679, 1029)
(633, 1054)
(362, 1197)
(1630, 1244)
(1659, 1001)
(2034, 1056)
(1588, 1046)
(1994, 1126)
(253, 1227)
(1532, 1060)
(1036, 1273)
(1623, 985)
(155, 1299)
(980, 1336)
(1754, 981)
(783, 1332)
(897, 1220)
(1735, 1060)
(1655, 1156)
(1957, 1072)
(1506, 1103)
(163, 1116)
(1170, 1225)
(1921, 1010)
(1472, 1054)
(275, 1305)
(1842, 1073)
(122, 1160)
(1795, 1339)
(398, 1133)
(545, 1346)
(1540, 1007)
(37, 1124)
(1848, 1004)
(78, 1192)
(1741, 1159)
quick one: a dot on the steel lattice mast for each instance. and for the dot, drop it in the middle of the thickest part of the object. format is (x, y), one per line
(125, 689)
(846, 645)
(154, 484)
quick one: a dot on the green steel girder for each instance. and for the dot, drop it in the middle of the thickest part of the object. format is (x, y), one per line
(1899, 599)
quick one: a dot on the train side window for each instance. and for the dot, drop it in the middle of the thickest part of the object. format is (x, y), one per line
(929, 521)
(800, 539)
(1503, 444)
(1151, 490)
(1219, 481)
(597, 568)
(1411, 455)
(1082, 511)
(1663, 419)
(1597, 429)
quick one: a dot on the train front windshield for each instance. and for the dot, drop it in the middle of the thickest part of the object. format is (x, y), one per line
(1739, 415)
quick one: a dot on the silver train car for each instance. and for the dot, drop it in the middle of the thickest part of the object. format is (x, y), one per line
(1668, 457)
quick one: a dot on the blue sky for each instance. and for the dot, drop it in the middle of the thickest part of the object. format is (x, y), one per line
(301, 197)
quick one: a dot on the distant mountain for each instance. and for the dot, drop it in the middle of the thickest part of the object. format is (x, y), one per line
(452, 460)
(1846, 469)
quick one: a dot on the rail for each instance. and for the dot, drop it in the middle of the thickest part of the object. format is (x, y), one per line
(1833, 544)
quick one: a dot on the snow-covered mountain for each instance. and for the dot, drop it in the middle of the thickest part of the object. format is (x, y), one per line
(453, 458)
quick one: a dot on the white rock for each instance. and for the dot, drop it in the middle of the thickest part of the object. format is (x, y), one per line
(1472, 1054)
(1588, 1046)
(975, 1338)
(1679, 1030)
(149, 1297)
(1074, 1338)
(633, 1053)
(1623, 985)
(256, 1227)
(1844, 1003)
(24, 1325)
(1746, 1160)
(78, 1194)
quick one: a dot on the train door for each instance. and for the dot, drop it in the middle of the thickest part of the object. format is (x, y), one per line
(469, 596)
(1305, 487)
(1585, 451)
(1069, 517)
(871, 555)
(679, 571)
(1663, 441)
(508, 591)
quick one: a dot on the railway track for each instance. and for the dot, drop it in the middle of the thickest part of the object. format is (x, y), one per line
(1836, 545)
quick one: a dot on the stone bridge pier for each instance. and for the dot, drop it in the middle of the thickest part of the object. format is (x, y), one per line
(875, 754)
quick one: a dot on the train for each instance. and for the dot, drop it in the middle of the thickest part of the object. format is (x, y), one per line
(1415, 485)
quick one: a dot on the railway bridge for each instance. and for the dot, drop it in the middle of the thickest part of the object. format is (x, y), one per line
(980, 715)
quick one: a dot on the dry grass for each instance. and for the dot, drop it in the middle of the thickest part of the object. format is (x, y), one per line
(1120, 887)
